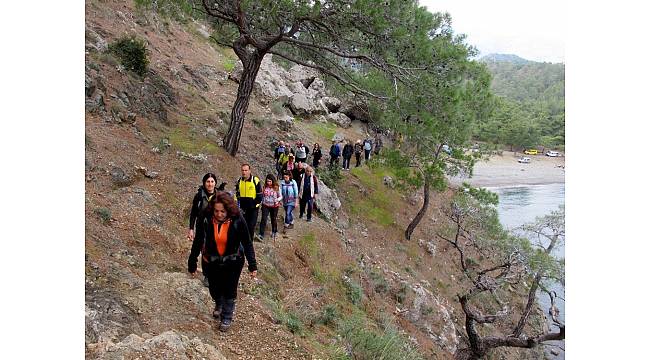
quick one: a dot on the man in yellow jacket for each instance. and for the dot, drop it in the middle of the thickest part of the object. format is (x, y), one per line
(248, 193)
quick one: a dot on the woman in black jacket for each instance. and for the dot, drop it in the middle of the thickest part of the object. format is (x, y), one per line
(199, 205)
(226, 242)
(317, 154)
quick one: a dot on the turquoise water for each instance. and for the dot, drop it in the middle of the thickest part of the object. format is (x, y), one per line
(522, 204)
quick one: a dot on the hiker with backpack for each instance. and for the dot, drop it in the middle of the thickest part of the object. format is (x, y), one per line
(289, 192)
(302, 151)
(271, 201)
(335, 152)
(205, 193)
(347, 155)
(307, 192)
(248, 194)
(367, 146)
(276, 156)
(358, 148)
(282, 160)
(317, 154)
(226, 242)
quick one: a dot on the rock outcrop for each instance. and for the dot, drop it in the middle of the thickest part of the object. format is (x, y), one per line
(339, 119)
(328, 202)
(299, 88)
(168, 345)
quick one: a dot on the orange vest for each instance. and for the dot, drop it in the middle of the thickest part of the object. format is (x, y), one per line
(221, 236)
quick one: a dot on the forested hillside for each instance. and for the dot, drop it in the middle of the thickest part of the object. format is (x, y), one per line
(529, 105)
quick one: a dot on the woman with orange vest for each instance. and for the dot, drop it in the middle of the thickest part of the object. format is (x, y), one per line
(226, 243)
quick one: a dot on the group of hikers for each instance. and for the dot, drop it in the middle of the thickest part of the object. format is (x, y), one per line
(222, 224)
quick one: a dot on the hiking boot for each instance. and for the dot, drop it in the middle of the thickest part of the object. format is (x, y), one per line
(206, 283)
(217, 311)
(309, 220)
(225, 325)
(258, 237)
(274, 236)
(227, 314)
(290, 226)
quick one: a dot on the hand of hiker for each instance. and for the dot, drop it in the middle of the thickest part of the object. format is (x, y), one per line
(190, 235)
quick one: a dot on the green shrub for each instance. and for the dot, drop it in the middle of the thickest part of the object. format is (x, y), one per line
(277, 108)
(353, 291)
(380, 284)
(294, 324)
(180, 10)
(368, 343)
(328, 315)
(257, 121)
(132, 53)
(330, 175)
(104, 214)
(401, 294)
(229, 64)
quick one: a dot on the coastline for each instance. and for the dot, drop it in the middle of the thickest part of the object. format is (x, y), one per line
(505, 171)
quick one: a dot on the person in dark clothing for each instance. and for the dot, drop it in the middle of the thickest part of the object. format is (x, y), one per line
(297, 171)
(276, 156)
(248, 192)
(307, 191)
(358, 148)
(317, 154)
(204, 194)
(347, 155)
(225, 244)
(378, 144)
(335, 152)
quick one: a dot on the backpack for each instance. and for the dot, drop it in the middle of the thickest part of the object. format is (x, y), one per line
(367, 145)
(288, 191)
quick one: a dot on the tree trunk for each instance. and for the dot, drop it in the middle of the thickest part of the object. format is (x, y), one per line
(423, 210)
(251, 66)
(529, 306)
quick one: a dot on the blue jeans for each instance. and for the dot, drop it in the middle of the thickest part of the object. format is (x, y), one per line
(288, 210)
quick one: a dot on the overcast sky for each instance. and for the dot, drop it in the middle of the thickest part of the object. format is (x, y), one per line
(533, 30)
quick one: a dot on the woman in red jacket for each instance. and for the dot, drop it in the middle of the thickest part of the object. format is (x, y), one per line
(226, 242)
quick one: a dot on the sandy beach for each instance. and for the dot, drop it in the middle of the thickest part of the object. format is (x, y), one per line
(504, 170)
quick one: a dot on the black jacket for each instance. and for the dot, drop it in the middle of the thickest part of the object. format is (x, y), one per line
(199, 204)
(317, 154)
(239, 242)
(347, 151)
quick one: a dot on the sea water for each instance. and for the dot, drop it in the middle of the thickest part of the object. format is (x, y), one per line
(519, 205)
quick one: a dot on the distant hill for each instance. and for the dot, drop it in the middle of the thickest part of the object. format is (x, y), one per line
(511, 58)
(519, 79)
(532, 95)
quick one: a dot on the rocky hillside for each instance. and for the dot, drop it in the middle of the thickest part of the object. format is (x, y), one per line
(342, 286)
